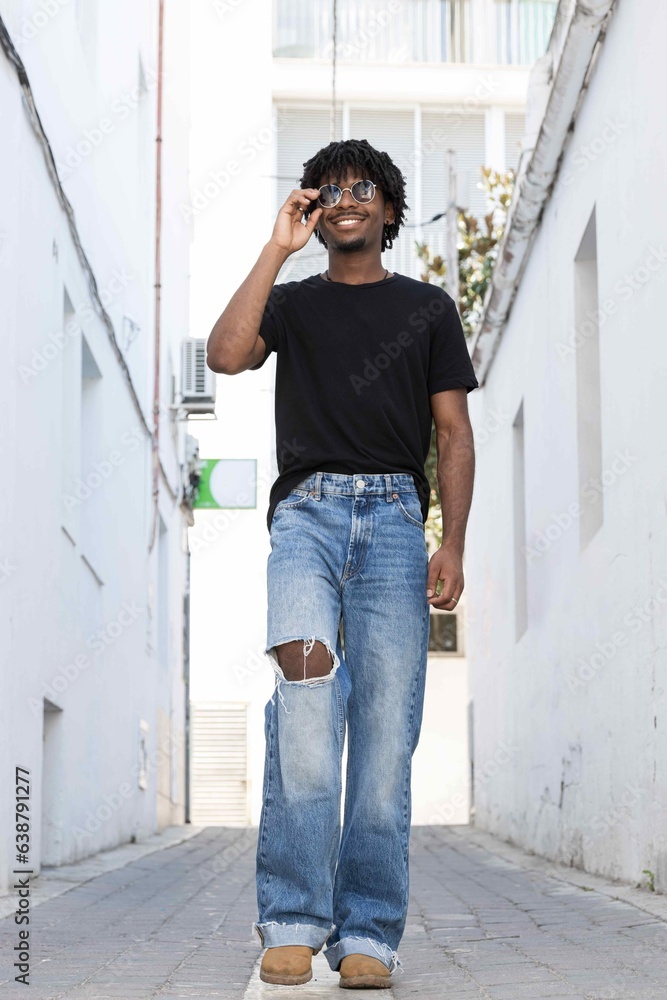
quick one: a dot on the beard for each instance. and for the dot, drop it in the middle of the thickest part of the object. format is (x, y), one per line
(350, 246)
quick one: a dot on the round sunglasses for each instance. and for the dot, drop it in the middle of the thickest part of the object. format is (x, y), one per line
(331, 194)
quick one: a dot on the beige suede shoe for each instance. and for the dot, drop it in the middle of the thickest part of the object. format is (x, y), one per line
(362, 971)
(287, 965)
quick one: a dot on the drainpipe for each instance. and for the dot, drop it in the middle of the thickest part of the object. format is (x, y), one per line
(158, 277)
(576, 54)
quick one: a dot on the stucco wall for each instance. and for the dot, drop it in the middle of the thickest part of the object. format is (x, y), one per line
(90, 620)
(581, 693)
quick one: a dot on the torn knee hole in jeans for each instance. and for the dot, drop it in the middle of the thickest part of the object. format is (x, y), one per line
(308, 645)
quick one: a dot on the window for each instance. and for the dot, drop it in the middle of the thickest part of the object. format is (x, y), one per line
(372, 31)
(417, 140)
(514, 131)
(219, 764)
(443, 634)
(69, 453)
(414, 31)
(465, 133)
(589, 420)
(53, 784)
(523, 28)
(519, 504)
(91, 494)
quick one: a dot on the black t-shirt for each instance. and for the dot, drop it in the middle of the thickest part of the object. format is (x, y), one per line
(356, 365)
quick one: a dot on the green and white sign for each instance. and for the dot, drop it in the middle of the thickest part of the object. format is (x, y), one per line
(227, 482)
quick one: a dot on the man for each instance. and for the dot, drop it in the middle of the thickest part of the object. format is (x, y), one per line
(365, 360)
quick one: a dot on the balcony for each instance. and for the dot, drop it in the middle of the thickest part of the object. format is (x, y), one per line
(505, 32)
(522, 29)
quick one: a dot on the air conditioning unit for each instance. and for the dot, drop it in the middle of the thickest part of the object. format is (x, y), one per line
(197, 380)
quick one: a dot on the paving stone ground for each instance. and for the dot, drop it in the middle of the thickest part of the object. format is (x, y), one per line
(485, 920)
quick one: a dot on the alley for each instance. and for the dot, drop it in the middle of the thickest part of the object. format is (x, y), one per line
(485, 920)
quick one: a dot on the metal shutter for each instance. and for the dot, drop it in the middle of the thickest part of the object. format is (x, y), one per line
(219, 763)
(303, 131)
(306, 129)
(393, 131)
(464, 132)
(514, 129)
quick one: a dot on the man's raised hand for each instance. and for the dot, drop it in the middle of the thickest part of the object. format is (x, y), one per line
(290, 233)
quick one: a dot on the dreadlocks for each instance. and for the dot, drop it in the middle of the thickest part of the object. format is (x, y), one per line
(358, 154)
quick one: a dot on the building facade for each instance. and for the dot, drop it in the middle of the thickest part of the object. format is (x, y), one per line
(93, 526)
(567, 548)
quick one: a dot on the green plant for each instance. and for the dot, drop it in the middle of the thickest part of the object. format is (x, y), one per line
(477, 243)
(650, 878)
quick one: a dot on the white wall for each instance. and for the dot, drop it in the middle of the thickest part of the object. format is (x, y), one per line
(579, 697)
(91, 621)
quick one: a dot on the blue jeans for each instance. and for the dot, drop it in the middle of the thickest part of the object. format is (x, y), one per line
(350, 547)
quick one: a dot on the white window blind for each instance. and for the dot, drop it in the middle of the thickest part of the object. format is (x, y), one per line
(219, 765)
(464, 133)
(392, 131)
(514, 129)
(305, 129)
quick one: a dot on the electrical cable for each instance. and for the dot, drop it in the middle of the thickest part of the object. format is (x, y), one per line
(418, 225)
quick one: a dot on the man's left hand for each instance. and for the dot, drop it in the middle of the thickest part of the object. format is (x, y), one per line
(447, 565)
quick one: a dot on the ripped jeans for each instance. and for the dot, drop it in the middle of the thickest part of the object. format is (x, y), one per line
(350, 547)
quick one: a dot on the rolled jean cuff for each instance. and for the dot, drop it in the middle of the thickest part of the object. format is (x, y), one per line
(273, 934)
(361, 946)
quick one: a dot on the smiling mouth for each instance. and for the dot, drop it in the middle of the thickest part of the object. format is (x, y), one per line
(348, 223)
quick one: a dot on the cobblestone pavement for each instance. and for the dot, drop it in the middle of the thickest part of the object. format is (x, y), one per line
(485, 920)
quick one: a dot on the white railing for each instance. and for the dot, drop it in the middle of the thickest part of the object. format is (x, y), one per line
(394, 31)
(522, 30)
(414, 31)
